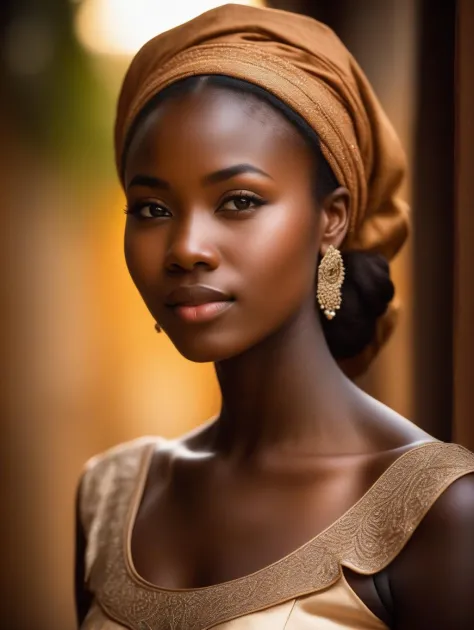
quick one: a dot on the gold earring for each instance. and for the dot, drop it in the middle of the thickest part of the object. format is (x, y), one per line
(330, 278)
(157, 327)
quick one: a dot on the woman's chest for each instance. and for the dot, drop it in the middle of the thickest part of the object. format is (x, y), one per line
(197, 531)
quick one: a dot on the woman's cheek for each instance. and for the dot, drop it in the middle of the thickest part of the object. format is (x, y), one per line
(144, 265)
(280, 266)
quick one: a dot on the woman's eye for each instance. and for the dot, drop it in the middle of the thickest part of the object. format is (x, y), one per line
(241, 202)
(148, 211)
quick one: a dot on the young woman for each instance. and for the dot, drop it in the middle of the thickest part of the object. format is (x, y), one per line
(252, 152)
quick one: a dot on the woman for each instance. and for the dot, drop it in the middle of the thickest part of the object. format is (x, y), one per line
(252, 151)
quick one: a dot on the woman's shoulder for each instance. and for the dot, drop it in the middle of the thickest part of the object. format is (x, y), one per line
(122, 465)
(433, 576)
(131, 451)
(442, 474)
(117, 457)
(112, 472)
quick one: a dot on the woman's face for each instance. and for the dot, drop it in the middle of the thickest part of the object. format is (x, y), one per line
(223, 237)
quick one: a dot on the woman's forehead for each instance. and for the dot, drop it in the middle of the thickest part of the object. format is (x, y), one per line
(218, 121)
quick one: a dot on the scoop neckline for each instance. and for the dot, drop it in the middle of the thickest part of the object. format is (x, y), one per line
(137, 497)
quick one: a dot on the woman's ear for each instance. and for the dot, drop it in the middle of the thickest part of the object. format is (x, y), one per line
(335, 213)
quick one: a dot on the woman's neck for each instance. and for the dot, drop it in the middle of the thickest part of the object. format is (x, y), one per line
(287, 395)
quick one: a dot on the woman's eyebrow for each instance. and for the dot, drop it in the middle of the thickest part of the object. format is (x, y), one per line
(232, 171)
(149, 181)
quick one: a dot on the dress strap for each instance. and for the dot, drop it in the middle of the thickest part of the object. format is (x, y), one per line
(369, 536)
(108, 478)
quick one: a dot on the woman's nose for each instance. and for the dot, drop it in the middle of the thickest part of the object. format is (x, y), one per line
(191, 244)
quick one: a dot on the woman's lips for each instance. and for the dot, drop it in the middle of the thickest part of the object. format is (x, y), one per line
(201, 312)
(198, 303)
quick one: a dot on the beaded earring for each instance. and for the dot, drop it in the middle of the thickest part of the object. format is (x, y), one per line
(330, 278)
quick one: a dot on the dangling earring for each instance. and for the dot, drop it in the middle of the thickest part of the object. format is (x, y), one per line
(157, 327)
(330, 279)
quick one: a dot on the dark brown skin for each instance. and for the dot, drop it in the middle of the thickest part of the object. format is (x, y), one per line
(296, 443)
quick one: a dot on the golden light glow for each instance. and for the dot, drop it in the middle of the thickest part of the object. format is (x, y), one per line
(121, 27)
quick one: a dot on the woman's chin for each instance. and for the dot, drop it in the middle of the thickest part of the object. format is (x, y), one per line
(203, 350)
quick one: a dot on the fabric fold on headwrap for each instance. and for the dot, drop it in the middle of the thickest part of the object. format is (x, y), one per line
(305, 65)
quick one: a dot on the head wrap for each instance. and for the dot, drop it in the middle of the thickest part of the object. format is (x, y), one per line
(305, 65)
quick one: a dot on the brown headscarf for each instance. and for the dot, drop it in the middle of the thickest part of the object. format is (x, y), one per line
(305, 65)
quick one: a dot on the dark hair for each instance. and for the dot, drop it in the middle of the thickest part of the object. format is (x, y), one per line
(367, 288)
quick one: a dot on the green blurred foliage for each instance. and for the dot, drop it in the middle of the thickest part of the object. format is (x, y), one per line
(54, 94)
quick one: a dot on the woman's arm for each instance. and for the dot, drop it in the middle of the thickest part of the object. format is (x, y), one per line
(432, 581)
(83, 598)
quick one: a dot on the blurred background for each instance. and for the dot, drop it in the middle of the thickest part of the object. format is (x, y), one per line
(82, 365)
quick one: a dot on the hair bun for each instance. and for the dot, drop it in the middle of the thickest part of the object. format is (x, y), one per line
(366, 294)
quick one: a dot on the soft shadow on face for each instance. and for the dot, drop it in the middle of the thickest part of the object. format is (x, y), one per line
(220, 187)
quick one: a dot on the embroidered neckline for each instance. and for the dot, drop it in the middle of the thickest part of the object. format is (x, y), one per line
(366, 538)
(137, 497)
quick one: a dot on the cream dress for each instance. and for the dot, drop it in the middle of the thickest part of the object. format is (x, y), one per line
(305, 590)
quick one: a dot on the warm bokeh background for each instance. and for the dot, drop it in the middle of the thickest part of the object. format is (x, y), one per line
(82, 366)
